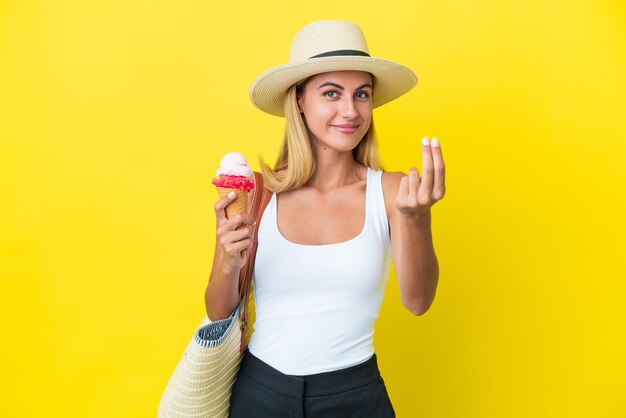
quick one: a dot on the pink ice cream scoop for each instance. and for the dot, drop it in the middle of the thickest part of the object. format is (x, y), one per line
(234, 173)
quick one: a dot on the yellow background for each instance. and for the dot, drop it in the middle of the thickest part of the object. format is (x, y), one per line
(113, 117)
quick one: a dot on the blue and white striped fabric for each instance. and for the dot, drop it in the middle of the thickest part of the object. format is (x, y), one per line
(215, 333)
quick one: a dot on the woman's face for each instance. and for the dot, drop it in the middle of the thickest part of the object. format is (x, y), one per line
(337, 108)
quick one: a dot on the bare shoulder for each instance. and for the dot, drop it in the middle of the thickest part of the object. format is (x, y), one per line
(391, 184)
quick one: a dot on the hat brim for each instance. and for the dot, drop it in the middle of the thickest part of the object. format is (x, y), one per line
(392, 79)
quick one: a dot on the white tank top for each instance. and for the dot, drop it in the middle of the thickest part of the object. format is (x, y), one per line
(316, 304)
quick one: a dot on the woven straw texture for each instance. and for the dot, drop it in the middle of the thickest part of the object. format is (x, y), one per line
(239, 205)
(202, 380)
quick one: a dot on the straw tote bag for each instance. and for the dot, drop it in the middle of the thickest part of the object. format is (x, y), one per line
(203, 378)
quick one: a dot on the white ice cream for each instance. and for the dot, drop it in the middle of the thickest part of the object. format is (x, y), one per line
(234, 164)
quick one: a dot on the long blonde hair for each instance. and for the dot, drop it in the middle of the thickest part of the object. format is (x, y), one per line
(295, 164)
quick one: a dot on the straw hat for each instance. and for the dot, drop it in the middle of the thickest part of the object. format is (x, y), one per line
(323, 46)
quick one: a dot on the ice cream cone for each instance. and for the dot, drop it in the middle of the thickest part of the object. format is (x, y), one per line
(234, 175)
(239, 205)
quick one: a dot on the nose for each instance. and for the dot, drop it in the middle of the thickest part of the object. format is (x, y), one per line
(348, 108)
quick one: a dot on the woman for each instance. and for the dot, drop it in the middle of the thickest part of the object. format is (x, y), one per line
(327, 236)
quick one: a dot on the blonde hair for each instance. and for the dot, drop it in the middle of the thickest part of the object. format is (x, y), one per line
(295, 164)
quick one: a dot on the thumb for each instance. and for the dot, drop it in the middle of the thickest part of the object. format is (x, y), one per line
(220, 206)
(403, 190)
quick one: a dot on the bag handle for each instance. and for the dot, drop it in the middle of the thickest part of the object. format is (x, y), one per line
(260, 199)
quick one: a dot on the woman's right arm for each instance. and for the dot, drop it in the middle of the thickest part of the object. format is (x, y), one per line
(233, 236)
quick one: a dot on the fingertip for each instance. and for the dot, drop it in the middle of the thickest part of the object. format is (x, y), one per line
(232, 195)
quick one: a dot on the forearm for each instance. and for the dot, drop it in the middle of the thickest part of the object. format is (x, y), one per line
(416, 262)
(222, 293)
(233, 237)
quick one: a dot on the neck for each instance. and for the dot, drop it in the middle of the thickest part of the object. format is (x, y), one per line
(334, 169)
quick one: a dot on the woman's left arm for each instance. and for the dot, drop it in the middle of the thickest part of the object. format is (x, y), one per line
(409, 199)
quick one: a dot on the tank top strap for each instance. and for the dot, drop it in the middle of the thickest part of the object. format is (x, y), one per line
(375, 201)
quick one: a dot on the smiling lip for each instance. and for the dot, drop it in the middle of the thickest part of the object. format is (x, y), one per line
(346, 129)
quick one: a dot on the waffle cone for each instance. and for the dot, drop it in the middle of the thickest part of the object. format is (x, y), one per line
(239, 205)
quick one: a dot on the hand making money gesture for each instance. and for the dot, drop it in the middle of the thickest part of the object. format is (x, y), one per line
(417, 194)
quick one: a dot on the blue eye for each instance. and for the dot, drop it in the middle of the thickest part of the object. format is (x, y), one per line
(331, 93)
(362, 95)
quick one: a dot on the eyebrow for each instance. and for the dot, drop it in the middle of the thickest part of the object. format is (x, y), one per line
(330, 83)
